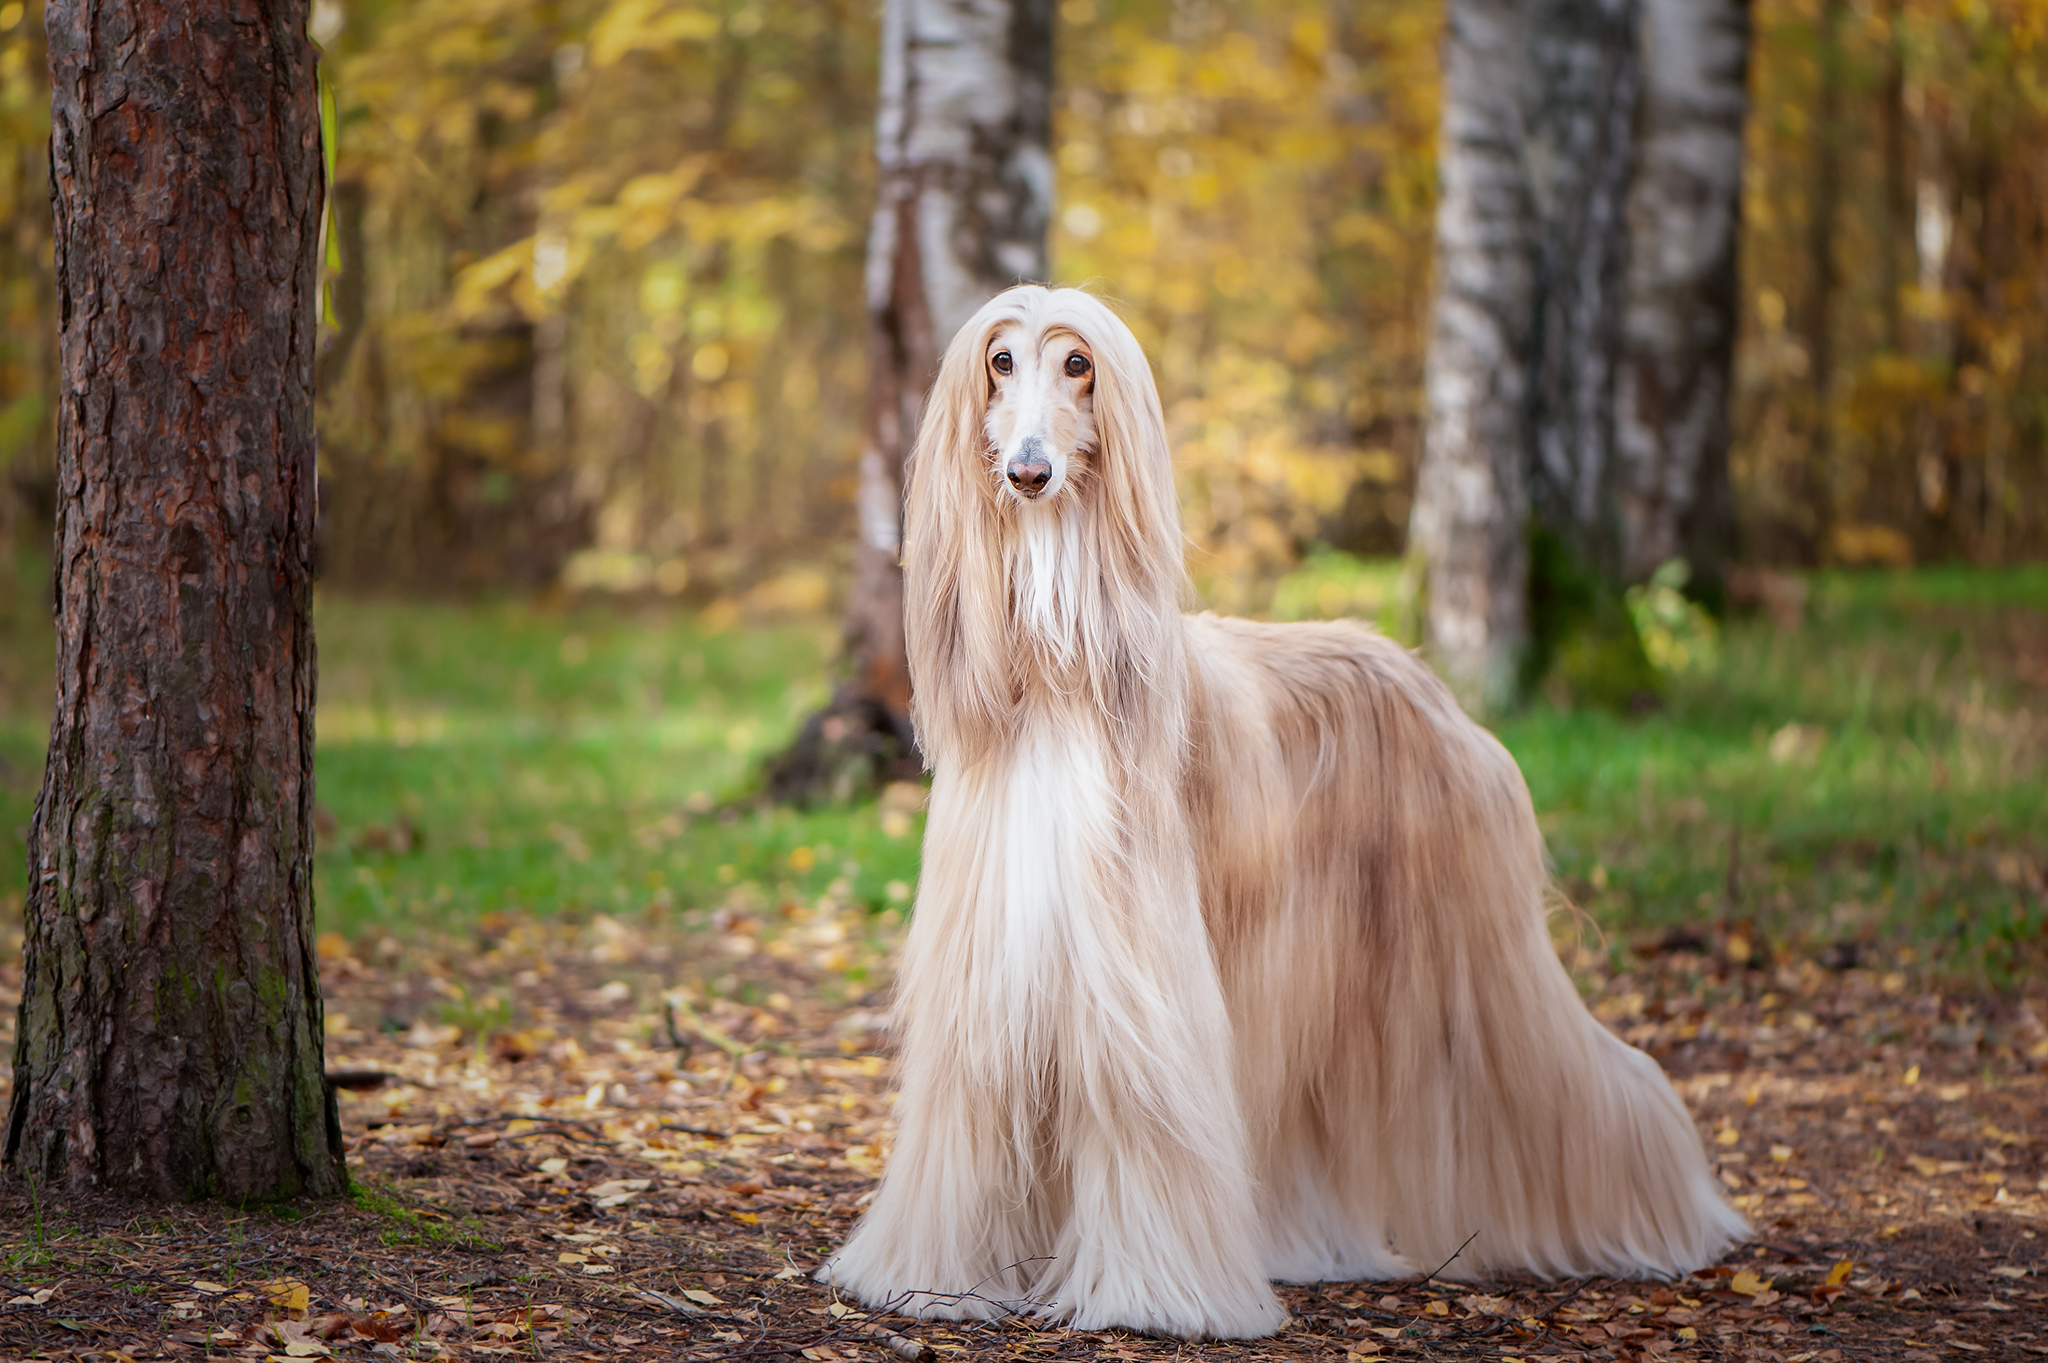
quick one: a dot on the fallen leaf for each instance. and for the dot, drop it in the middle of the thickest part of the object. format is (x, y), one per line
(703, 1298)
(1747, 1284)
(1839, 1274)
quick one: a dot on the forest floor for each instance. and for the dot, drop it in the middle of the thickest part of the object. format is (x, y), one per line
(620, 1031)
(623, 1169)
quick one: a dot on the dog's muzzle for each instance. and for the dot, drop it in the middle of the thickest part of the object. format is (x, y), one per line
(1029, 470)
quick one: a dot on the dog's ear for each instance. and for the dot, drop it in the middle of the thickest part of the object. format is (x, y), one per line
(1137, 513)
(953, 588)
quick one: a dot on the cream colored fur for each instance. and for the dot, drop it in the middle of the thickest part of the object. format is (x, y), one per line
(1230, 959)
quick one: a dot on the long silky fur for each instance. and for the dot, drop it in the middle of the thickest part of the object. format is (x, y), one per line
(1230, 959)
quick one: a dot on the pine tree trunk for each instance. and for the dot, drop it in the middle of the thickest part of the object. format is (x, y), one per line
(963, 139)
(1682, 302)
(170, 1037)
(1539, 104)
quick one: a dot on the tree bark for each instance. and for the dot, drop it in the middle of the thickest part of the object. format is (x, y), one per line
(170, 1034)
(963, 140)
(1579, 155)
(1682, 297)
(1820, 286)
(1472, 496)
(1539, 102)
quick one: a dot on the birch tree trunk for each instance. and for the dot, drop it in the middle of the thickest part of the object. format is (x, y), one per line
(1579, 154)
(1539, 102)
(963, 141)
(170, 1039)
(1819, 322)
(1683, 300)
(1468, 525)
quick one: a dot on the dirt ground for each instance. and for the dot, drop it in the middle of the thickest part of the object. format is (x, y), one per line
(560, 1156)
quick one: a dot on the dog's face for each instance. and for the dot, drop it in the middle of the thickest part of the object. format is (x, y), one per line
(1041, 411)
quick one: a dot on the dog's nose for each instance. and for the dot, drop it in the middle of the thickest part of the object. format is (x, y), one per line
(1029, 472)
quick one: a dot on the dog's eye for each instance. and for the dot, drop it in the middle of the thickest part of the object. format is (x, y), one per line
(1000, 362)
(1077, 364)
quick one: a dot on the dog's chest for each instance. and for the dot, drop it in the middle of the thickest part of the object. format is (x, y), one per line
(1023, 851)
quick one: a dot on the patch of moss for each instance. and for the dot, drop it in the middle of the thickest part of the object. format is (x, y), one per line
(1583, 646)
(414, 1226)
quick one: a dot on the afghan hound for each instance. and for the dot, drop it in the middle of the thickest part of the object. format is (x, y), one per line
(1229, 961)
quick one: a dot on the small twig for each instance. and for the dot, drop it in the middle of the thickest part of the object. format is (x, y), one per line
(735, 1049)
(695, 1131)
(1561, 1302)
(1431, 1277)
(564, 1135)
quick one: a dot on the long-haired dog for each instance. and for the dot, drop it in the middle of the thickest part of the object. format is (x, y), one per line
(1230, 959)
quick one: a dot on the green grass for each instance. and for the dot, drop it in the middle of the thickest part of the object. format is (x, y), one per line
(577, 764)
(582, 763)
(1908, 806)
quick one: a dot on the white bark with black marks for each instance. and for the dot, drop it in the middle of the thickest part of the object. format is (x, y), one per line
(1678, 328)
(1471, 496)
(963, 139)
(1539, 104)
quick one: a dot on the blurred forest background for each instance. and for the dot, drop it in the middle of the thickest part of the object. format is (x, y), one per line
(592, 392)
(597, 318)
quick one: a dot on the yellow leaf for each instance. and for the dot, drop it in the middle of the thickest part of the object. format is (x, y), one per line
(751, 1218)
(703, 1298)
(1688, 1334)
(1727, 1135)
(1747, 1284)
(1436, 1308)
(305, 1348)
(1912, 1077)
(288, 1294)
(1839, 1274)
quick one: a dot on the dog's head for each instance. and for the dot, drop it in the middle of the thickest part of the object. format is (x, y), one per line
(1041, 521)
(1041, 406)
(1053, 400)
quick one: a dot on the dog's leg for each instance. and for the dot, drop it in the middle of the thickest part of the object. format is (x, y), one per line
(1162, 1234)
(949, 1233)
(966, 1208)
(1502, 1110)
